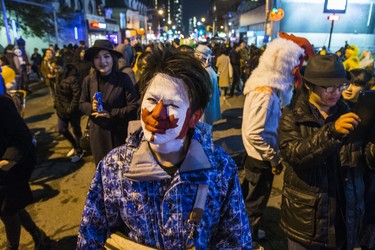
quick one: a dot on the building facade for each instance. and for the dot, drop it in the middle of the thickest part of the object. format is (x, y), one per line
(250, 21)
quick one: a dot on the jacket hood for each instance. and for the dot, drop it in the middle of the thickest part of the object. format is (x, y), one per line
(275, 68)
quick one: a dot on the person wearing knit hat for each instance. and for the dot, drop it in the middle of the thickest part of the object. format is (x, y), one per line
(212, 112)
(352, 60)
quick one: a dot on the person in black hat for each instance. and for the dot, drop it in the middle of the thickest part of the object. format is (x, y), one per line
(312, 130)
(108, 129)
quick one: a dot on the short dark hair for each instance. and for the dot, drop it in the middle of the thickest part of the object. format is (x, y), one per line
(360, 76)
(114, 59)
(183, 66)
(4, 59)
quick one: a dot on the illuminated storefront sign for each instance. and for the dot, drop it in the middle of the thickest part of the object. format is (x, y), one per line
(98, 25)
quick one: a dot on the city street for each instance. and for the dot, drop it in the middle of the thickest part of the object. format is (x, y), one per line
(60, 187)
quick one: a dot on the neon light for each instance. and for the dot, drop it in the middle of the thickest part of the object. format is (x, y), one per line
(98, 25)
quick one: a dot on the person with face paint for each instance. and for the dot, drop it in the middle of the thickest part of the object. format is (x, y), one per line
(108, 129)
(168, 187)
(269, 88)
(312, 131)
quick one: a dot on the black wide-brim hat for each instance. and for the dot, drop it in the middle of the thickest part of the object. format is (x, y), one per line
(101, 44)
(325, 71)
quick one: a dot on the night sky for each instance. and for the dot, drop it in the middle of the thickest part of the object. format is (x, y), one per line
(190, 8)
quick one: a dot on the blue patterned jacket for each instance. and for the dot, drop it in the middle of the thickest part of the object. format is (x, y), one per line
(131, 193)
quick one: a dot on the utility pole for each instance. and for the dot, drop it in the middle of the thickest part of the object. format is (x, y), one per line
(3, 8)
(267, 12)
(332, 18)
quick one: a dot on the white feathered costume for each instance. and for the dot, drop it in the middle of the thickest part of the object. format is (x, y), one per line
(269, 87)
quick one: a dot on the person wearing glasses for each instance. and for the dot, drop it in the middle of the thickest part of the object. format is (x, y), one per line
(312, 130)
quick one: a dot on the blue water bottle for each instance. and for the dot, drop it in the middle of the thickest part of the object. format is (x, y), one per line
(98, 98)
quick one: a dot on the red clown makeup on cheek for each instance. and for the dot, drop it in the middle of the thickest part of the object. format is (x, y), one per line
(157, 120)
(185, 126)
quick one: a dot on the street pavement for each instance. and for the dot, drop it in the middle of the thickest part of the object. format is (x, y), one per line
(60, 187)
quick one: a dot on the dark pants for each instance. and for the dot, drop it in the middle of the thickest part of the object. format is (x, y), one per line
(236, 79)
(293, 245)
(256, 190)
(13, 224)
(63, 128)
(51, 85)
(24, 80)
(36, 69)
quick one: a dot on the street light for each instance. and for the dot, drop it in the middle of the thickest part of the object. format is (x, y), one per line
(160, 12)
(203, 19)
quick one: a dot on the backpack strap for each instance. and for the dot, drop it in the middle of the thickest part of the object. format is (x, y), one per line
(196, 214)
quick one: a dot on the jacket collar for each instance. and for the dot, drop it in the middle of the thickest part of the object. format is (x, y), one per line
(304, 111)
(108, 87)
(144, 166)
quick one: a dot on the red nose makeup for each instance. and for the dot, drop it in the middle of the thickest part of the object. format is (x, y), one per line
(158, 121)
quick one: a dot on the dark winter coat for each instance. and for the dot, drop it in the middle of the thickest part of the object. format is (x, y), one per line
(352, 171)
(368, 229)
(37, 59)
(15, 145)
(120, 100)
(313, 199)
(67, 93)
(83, 69)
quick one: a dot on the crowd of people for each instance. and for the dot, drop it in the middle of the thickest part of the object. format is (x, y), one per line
(161, 182)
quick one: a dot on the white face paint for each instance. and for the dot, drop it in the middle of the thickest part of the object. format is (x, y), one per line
(169, 95)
